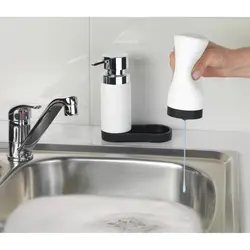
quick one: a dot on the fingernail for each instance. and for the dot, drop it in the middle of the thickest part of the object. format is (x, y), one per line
(196, 74)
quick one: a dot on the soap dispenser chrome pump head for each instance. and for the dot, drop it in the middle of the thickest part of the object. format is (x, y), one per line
(185, 97)
(115, 69)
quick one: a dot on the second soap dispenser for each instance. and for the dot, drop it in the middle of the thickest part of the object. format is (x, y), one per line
(116, 124)
(115, 95)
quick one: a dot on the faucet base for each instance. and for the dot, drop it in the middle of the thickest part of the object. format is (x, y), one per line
(25, 157)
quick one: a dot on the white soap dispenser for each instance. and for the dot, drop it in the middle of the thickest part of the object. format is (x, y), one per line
(115, 95)
(185, 98)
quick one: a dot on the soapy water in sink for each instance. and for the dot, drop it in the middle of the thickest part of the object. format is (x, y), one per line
(133, 223)
(99, 214)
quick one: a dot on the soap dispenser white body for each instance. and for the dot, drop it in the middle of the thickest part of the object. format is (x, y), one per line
(185, 97)
(116, 107)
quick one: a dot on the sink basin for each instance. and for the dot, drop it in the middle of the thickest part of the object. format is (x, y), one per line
(141, 173)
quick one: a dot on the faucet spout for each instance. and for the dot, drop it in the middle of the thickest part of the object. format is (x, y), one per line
(24, 151)
(47, 117)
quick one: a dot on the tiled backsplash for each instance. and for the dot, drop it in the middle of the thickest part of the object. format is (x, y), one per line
(45, 58)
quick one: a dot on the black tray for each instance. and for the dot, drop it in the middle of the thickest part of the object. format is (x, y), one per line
(141, 133)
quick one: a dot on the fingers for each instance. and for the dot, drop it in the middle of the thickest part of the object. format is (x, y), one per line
(207, 59)
(172, 60)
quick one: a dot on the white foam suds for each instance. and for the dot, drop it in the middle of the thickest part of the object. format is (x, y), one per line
(98, 214)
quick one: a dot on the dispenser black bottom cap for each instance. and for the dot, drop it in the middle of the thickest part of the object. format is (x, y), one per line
(185, 114)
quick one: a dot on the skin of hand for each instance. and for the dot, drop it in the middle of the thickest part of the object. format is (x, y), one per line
(218, 61)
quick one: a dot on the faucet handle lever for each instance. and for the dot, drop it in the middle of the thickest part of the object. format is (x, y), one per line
(21, 112)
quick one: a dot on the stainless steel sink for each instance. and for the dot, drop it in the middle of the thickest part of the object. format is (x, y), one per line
(212, 179)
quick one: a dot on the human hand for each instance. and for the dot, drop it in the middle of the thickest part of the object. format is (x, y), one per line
(218, 61)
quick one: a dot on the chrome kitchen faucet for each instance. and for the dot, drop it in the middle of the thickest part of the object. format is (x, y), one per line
(22, 140)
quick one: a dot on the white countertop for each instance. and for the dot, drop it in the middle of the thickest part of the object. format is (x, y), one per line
(210, 140)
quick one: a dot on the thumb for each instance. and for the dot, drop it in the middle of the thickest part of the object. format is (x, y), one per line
(204, 62)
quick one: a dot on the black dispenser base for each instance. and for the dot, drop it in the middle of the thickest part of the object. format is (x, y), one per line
(141, 133)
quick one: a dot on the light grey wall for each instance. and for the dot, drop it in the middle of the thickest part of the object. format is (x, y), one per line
(44, 58)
